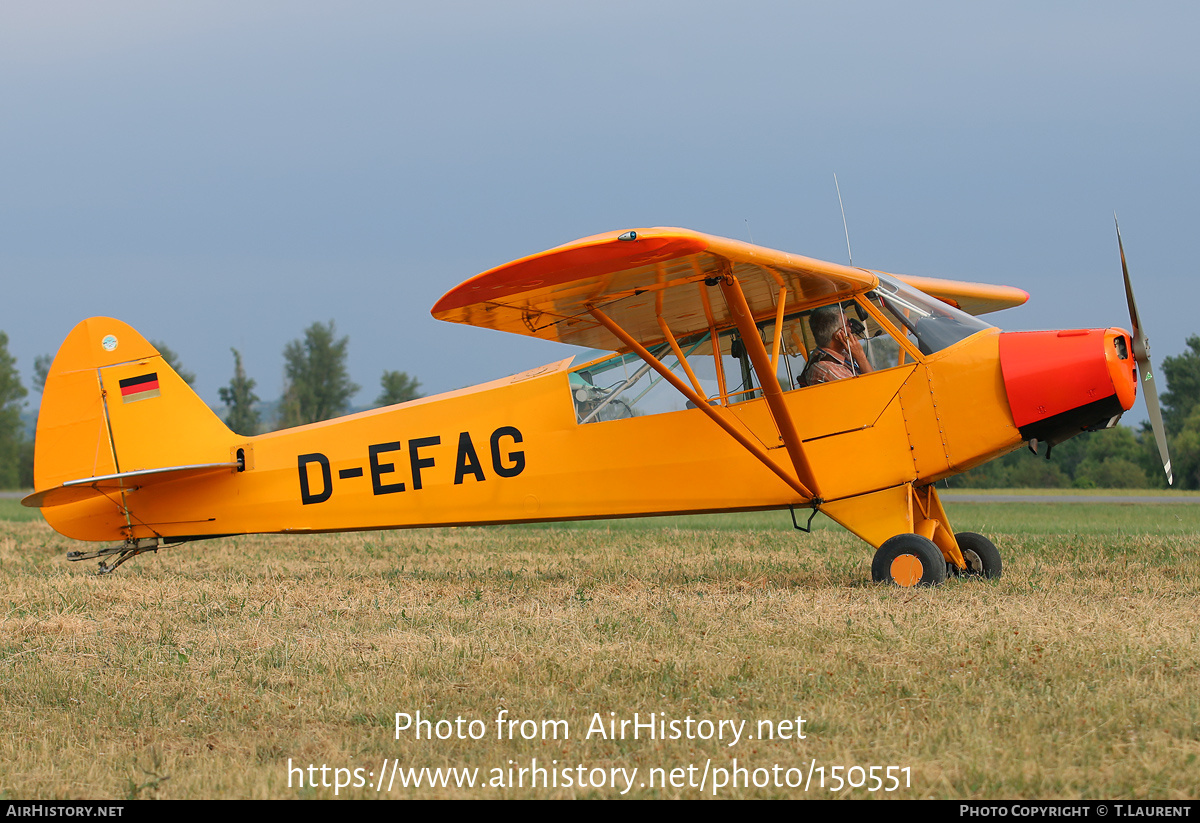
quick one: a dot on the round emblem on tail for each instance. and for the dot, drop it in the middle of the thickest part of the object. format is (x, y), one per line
(109, 342)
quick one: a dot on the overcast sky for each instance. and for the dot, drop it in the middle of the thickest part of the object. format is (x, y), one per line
(223, 174)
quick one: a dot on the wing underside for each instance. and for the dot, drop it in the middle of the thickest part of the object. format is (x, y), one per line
(637, 277)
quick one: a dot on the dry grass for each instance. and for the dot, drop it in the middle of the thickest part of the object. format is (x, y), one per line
(201, 671)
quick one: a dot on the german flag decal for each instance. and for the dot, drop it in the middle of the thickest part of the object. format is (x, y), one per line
(142, 387)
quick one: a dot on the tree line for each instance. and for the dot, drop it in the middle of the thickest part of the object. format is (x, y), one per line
(317, 386)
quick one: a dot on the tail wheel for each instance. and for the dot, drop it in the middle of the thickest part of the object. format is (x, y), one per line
(981, 554)
(909, 560)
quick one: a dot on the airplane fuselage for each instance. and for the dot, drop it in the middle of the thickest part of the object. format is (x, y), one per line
(513, 450)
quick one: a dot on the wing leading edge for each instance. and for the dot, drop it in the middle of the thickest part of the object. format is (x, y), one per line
(637, 276)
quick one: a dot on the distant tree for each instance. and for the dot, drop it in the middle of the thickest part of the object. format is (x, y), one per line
(25, 465)
(41, 370)
(173, 361)
(1182, 373)
(990, 475)
(1036, 473)
(1110, 459)
(317, 384)
(1113, 473)
(12, 435)
(1149, 460)
(239, 396)
(1185, 452)
(398, 387)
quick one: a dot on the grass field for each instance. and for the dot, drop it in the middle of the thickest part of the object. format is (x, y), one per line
(203, 671)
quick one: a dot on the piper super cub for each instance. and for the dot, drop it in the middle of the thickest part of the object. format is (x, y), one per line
(701, 402)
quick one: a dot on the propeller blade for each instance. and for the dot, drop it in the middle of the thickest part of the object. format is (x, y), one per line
(1141, 354)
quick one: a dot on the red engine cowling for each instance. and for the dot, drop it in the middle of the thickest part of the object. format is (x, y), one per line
(1061, 383)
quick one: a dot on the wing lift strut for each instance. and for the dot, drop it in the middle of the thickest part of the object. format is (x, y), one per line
(800, 475)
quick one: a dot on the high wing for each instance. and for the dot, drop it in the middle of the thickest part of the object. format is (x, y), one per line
(635, 277)
(973, 298)
(639, 276)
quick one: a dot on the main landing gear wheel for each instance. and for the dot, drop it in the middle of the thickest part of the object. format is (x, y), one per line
(909, 560)
(981, 554)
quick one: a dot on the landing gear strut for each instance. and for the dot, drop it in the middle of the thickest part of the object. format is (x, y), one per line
(129, 549)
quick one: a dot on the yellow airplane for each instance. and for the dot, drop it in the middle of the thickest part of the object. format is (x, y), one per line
(700, 402)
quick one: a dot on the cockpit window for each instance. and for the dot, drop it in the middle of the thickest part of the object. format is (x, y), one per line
(622, 386)
(625, 386)
(931, 323)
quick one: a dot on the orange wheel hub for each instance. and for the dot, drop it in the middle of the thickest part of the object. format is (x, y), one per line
(907, 570)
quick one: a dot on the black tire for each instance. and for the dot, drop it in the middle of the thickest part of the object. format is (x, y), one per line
(909, 560)
(981, 554)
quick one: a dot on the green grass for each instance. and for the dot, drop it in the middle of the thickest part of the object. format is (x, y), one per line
(13, 510)
(1168, 493)
(201, 671)
(1067, 519)
(1080, 517)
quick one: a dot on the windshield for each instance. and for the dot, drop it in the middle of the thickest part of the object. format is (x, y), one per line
(930, 323)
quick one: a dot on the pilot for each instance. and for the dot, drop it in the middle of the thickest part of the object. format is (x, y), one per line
(839, 353)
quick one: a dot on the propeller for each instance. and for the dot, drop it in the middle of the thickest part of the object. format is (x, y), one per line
(1141, 354)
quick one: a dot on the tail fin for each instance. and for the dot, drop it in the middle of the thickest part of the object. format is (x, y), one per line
(113, 409)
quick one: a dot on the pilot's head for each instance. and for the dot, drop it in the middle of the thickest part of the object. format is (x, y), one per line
(825, 323)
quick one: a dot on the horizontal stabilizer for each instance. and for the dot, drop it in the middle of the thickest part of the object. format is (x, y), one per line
(73, 491)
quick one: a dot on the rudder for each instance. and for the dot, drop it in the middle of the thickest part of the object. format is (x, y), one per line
(112, 405)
